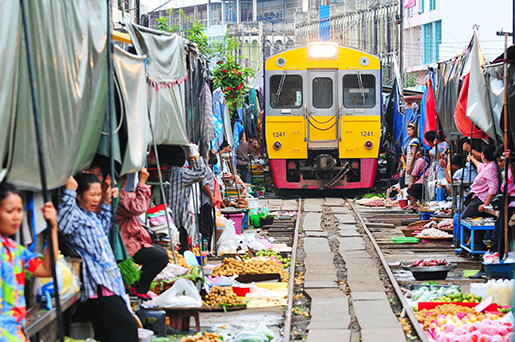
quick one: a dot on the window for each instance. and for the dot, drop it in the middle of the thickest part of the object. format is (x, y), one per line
(359, 91)
(286, 91)
(432, 5)
(428, 43)
(322, 92)
(422, 6)
(438, 38)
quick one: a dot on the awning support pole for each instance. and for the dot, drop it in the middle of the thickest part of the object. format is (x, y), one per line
(42, 172)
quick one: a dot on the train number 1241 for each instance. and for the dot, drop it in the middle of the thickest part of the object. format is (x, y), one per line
(278, 134)
(367, 133)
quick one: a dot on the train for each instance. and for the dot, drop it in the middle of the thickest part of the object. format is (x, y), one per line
(323, 116)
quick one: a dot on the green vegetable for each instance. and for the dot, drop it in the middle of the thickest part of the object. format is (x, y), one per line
(130, 273)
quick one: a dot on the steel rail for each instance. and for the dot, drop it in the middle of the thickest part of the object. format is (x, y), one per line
(291, 282)
(406, 307)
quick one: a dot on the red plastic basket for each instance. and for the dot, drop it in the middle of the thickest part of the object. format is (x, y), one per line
(241, 291)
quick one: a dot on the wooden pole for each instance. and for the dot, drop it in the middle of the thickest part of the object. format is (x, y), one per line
(507, 162)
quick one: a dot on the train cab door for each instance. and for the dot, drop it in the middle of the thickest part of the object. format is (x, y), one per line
(322, 110)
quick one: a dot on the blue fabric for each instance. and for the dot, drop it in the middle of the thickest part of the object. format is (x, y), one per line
(398, 124)
(469, 173)
(87, 233)
(218, 109)
(238, 129)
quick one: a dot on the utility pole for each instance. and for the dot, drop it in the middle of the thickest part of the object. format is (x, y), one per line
(401, 42)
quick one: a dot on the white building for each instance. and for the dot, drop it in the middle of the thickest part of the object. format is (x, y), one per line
(436, 30)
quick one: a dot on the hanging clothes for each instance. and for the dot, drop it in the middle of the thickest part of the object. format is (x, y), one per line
(208, 123)
(430, 119)
(218, 110)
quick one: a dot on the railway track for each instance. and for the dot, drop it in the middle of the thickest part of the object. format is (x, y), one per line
(336, 233)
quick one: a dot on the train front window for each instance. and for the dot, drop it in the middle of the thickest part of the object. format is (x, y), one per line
(286, 91)
(322, 92)
(359, 91)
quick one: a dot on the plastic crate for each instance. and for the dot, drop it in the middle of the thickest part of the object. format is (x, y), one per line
(500, 270)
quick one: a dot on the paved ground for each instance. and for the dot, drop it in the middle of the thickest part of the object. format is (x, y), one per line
(330, 313)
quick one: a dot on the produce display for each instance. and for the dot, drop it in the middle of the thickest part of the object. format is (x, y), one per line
(451, 322)
(429, 292)
(196, 251)
(430, 263)
(433, 233)
(460, 298)
(235, 203)
(272, 255)
(222, 296)
(376, 201)
(180, 259)
(202, 337)
(257, 265)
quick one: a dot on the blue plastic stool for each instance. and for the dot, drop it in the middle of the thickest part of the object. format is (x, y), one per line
(425, 216)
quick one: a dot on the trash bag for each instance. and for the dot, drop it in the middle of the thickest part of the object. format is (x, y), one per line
(182, 294)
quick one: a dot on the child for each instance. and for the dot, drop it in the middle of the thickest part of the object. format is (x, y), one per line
(17, 262)
(103, 289)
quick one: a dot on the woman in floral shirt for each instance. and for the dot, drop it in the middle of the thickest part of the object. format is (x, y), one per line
(18, 263)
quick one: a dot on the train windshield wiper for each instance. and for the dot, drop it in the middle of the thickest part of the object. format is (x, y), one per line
(280, 88)
(361, 87)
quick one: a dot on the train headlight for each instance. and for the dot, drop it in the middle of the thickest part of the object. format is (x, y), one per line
(277, 145)
(322, 51)
(369, 145)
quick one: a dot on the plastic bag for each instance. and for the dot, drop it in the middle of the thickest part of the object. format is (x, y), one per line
(257, 333)
(171, 271)
(182, 294)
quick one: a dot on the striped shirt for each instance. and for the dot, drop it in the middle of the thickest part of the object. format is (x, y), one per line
(179, 192)
(84, 231)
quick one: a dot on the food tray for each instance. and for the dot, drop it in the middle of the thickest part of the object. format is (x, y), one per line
(418, 223)
(429, 268)
(250, 278)
(432, 305)
(221, 308)
(406, 239)
(409, 232)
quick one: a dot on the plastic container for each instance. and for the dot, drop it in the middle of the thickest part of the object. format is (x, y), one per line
(240, 291)
(144, 335)
(478, 289)
(500, 270)
(198, 260)
(267, 221)
(425, 216)
(253, 203)
(403, 203)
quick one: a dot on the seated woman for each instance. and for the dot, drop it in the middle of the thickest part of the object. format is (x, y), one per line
(421, 167)
(86, 231)
(137, 240)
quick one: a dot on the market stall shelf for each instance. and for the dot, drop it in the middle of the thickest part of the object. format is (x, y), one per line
(466, 225)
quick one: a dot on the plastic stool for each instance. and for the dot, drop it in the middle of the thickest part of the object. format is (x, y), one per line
(154, 320)
(180, 319)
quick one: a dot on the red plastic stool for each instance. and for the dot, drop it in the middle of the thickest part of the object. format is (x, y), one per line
(180, 318)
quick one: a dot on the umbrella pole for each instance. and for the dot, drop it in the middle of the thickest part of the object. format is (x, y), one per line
(110, 113)
(163, 195)
(42, 172)
(507, 162)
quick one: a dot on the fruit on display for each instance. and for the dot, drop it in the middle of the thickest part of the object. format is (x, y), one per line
(257, 265)
(180, 259)
(273, 255)
(451, 323)
(196, 252)
(202, 337)
(221, 296)
(459, 298)
(430, 263)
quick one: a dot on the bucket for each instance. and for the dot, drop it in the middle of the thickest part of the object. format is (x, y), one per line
(238, 219)
(500, 270)
(144, 335)
(403, 203)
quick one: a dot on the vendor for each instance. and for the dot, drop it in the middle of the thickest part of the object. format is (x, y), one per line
(138, 243)
(420, 169)
(103, 290)
(497, 238)
(208, 203)
(242, 158)
(182, 179)
(410, 150)
(485, 185)
(464, 173)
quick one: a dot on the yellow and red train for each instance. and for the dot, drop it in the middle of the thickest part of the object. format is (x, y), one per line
(323, 111)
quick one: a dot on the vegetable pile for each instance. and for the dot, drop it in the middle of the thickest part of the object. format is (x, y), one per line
(258, 265)
(459, 298)
(272, 255)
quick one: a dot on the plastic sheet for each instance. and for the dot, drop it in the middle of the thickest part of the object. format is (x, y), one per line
(69, 55)
(165, 87)
(182, 294)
